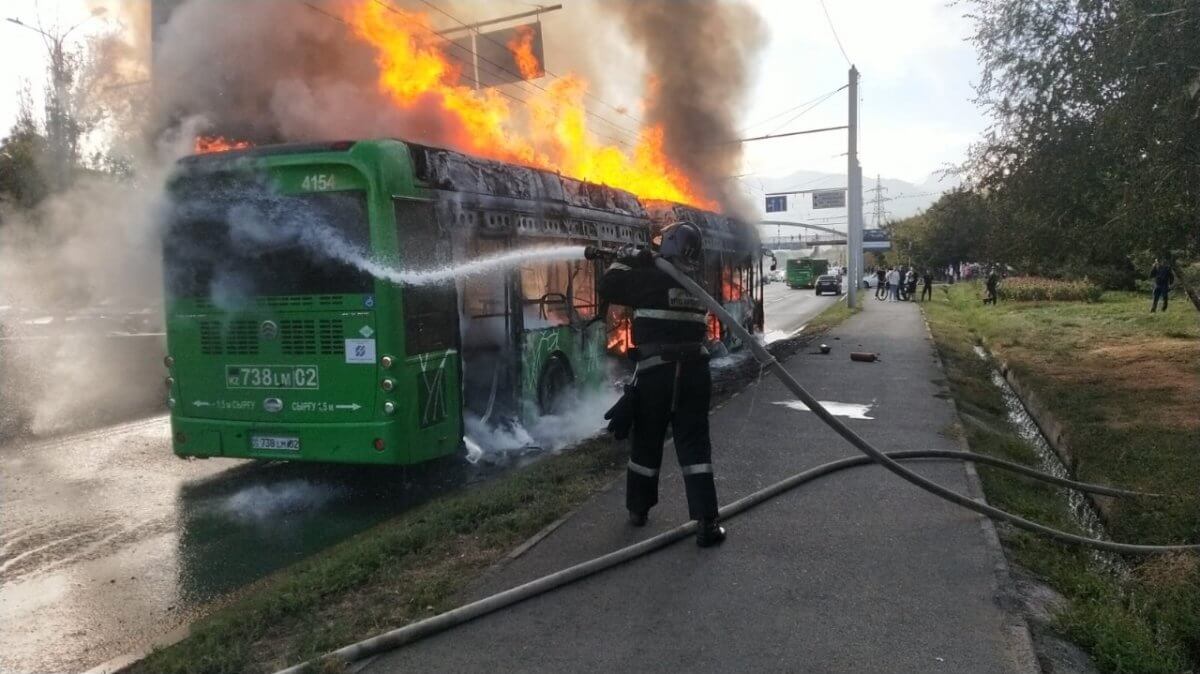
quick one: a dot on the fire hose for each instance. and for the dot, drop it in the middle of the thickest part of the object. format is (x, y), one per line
(413, 632)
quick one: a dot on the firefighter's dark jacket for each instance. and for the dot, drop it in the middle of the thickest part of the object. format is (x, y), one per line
(664, 313)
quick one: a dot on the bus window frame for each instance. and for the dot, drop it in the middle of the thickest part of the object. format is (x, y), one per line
(449, 339)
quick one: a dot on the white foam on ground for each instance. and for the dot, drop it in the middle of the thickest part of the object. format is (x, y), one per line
(848, 410)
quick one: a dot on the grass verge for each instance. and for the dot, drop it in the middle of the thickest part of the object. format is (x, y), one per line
(833, 315)
(1124, 385)
(404, 570)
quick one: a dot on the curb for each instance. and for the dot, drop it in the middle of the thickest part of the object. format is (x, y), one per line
(1018, 635)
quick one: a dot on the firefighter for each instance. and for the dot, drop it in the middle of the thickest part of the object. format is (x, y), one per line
(672, 384)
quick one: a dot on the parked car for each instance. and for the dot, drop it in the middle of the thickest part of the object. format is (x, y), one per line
(828, 283)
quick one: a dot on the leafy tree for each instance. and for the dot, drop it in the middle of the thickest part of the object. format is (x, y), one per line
(21, 179)
(1093, 152)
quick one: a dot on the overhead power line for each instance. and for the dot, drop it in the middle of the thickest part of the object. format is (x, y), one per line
(777, 115)
(835, 33)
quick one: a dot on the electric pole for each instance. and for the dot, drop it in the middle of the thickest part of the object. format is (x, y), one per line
(853, 194)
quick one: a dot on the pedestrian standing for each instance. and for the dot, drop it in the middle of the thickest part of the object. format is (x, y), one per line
(1163, 278)
(893, 282)
(672, 383)
(927, 285)
(992, 284)
(880, 283)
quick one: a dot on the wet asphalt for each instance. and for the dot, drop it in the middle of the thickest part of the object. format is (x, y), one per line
(858, 572)
(109, 542)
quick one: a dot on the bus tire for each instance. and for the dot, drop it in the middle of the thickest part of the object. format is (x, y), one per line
(555, 384)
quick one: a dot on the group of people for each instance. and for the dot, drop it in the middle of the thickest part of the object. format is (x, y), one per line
(899, 284)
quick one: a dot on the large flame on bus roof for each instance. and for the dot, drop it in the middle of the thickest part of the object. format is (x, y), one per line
(551, 134)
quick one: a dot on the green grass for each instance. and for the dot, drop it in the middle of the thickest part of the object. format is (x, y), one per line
(1123, 383)
(404, 570)
(833, 315)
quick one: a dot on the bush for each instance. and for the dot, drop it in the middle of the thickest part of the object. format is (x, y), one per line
(1036, 289)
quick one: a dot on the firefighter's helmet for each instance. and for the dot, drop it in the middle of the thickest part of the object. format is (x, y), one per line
(682, 244)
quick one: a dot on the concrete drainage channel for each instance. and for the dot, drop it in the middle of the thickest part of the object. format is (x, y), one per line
(1084, 510)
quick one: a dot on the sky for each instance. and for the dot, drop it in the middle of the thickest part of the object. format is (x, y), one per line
(917, 72)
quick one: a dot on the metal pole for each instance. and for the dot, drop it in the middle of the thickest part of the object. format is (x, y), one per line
(853, 194)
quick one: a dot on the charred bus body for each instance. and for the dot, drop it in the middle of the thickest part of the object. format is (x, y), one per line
(282, 345)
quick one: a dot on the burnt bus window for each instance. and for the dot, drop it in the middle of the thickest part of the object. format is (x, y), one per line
(431, 310)
(232, 242)
(583, 289)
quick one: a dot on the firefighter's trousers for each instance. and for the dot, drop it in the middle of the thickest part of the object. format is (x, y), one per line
(676, 394)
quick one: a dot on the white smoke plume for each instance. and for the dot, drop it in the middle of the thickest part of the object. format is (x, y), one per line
(80, 280)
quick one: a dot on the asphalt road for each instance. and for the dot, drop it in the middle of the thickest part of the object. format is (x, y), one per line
(860, 572)
(786, 311)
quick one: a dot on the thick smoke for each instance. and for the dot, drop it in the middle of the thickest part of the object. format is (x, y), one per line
(81, 301)
(274, 71)
(699, 57)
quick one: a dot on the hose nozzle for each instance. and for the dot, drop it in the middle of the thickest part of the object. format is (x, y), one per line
(598, 253)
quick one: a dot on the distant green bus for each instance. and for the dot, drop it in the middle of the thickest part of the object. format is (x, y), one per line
(280, 349)
(803, 272)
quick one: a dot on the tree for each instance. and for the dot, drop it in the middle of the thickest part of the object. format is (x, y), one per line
(954, 229)
(21, 179)
(1093, 152)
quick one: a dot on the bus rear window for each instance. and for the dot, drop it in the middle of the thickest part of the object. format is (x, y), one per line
(230, 243)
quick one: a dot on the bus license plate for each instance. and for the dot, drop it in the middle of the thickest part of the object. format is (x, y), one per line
(275, 443)
(272, 376)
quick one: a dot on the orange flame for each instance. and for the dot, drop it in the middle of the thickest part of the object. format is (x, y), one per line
(731, 285)
(714, 328)
(620, 336)
(207, 144)
(521, 47)
(553, 134)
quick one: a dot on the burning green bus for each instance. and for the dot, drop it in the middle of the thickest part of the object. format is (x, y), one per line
(282, 345)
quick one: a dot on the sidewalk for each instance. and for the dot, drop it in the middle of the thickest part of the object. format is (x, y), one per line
(858, 572)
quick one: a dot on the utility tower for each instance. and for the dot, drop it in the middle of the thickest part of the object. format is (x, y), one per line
(879, 216)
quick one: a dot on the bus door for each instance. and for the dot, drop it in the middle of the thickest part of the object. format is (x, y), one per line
(489, 329)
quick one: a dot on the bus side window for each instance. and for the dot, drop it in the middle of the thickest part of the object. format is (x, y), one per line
(583, 289)
(431, 310)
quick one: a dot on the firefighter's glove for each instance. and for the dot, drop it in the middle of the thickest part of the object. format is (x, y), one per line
(620, 415)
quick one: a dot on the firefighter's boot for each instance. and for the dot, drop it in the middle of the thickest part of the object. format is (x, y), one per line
(708, 533)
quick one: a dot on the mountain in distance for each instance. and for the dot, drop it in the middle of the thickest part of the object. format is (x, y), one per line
(905, 198)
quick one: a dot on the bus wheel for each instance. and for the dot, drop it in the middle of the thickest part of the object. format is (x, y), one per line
(555, 385)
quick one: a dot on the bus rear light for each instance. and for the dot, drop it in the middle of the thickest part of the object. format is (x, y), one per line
(379, 444)
(386, 361)
(387, 384)
(169, 381)
(169, 362)
(181, 438)
(389, 407)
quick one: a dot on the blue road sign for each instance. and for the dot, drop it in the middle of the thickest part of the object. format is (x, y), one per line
(777, 204)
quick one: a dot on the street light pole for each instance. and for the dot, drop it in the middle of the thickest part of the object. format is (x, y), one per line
(61, 139)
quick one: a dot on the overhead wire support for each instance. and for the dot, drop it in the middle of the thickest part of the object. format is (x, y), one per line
(465, 25)
(769, 136)
(624, 142)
